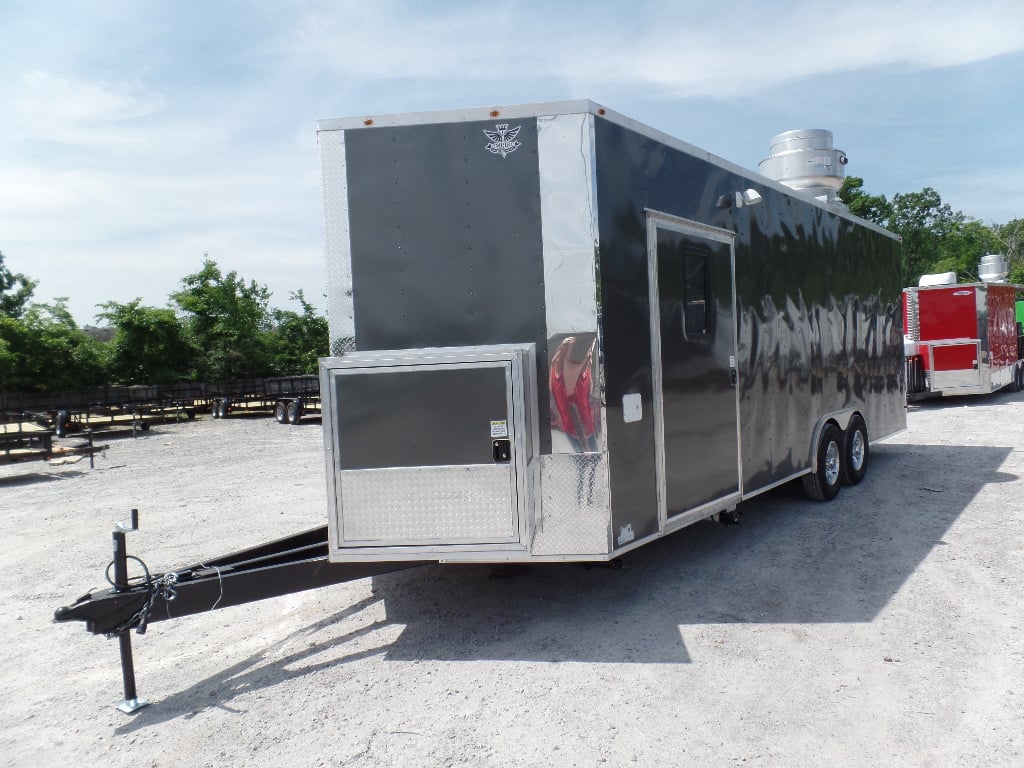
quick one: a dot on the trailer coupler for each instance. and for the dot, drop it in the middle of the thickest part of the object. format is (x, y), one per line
(292, 564)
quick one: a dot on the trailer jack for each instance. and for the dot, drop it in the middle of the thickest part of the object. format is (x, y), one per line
(285, 566)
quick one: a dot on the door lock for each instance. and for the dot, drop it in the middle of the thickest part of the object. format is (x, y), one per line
(501, 451)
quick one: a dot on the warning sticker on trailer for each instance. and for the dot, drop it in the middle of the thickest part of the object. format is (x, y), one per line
(499, 429)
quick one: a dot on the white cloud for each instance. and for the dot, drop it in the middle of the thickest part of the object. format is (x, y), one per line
(47, 97)
(673, 51)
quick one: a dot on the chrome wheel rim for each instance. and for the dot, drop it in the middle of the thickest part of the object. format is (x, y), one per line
(857, 451)
(832, 463)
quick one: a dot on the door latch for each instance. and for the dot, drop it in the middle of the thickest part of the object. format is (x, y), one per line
(501, 451)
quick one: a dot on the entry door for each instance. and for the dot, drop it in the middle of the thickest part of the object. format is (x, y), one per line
(693, 331)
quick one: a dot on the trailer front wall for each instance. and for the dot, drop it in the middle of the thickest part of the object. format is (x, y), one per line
(818, 314)
(446, 250)
(441, 235)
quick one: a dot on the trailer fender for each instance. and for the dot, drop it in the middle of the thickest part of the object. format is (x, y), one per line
(840, 418)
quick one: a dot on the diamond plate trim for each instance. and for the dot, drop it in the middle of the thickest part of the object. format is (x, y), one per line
(427, 505)
(337, 244)
(575, 514)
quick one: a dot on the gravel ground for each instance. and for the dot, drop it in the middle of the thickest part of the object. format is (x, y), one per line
(879, 629)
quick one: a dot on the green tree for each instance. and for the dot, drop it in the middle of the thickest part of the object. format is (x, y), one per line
(1008, 239)
(227, 322)
(149, 344)
(44, 350)
(961, 249)
(935, 237)
(871, 207)
(930, 230)
(15, 291)
(298, 339)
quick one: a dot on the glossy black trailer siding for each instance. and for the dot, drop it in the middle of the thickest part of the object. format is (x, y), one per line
(817, 312)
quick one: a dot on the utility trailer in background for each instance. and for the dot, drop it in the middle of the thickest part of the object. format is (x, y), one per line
(963, 338)
(560, 334)
(288, 398)
(109, 408)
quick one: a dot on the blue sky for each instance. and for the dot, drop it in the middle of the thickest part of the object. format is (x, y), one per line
(137, 136)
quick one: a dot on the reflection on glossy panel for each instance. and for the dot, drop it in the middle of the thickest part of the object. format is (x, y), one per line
(575, 399)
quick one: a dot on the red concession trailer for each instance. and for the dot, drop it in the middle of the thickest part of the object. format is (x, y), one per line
(962, 339)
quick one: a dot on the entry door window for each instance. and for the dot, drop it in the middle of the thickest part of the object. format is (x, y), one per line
(696, 296)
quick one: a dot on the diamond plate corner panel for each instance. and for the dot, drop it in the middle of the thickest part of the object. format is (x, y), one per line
(448, 504)
(575, 514)
(337, 245)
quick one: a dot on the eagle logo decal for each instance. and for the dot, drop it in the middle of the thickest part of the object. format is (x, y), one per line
(503, 139)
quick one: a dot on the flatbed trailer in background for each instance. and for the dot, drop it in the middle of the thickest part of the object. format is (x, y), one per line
(103, 408)
(137, 407)
(23, 442)
(289, 398)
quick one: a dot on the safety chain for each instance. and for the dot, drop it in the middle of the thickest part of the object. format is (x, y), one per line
(161, 586)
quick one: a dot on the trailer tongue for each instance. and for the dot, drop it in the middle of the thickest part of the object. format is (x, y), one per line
(292, 564)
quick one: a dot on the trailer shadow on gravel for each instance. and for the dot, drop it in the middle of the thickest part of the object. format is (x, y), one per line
(34, 478)
(789, 561)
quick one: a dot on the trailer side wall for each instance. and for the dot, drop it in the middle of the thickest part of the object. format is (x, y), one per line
(818, 313)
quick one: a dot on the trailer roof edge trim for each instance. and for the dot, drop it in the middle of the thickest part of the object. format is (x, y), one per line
(544, 109)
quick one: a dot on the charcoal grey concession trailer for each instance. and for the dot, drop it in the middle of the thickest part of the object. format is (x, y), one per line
(560, 334)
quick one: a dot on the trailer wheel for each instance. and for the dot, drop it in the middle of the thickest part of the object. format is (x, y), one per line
(824, 482)
(855, 451)
(60, 426)
(281, 411)
(215, 410)
(294, 411)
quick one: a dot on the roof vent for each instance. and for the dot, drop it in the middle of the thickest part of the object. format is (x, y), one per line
(939, 278)
(993, 268)
(806, 161)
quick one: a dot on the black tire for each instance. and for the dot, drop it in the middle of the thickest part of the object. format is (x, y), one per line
(294, 411)
(215, 409)
(61, 423)
(224, 408)
(281, 411)
(827, 478)
(855, 451)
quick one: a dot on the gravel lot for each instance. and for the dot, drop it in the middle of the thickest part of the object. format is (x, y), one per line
(882, 629)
